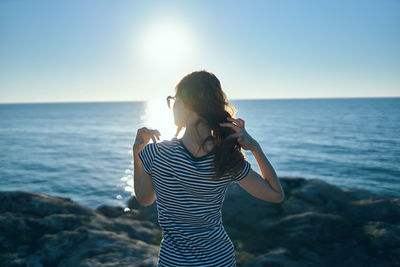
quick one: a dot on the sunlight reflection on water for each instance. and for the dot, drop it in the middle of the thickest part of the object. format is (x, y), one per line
(157, 116)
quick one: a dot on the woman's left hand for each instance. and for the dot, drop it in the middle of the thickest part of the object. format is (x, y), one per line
(143, 136)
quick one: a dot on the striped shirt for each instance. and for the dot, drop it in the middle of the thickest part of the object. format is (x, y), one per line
(189, 205)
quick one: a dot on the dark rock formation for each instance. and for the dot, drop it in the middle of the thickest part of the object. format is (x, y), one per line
(42, 230)
(317, 224)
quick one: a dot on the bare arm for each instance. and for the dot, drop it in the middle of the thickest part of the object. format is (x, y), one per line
(142, 184)
(266, 187)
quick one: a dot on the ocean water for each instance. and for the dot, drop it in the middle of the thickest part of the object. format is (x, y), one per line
(84, 150)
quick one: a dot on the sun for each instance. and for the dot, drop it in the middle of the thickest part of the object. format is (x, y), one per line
(165, 49)
(165, 44)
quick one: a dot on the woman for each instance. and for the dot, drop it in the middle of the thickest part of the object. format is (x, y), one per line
(189, 176)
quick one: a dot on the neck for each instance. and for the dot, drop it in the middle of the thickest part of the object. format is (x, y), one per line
(191, 136)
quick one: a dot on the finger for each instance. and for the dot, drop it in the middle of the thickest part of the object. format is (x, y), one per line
(233, 136)
(147, 130)
(236, 122)
(241, 122)
(151, 133)
(157, 134)
(234, 127)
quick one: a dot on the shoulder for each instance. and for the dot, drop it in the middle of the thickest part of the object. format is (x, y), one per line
(162, 145)
(168, 142)
(165, 144)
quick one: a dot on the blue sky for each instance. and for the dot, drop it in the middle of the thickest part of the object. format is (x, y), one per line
(68, 51)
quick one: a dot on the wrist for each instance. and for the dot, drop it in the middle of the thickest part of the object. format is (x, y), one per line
(255, 147)
(137, 148)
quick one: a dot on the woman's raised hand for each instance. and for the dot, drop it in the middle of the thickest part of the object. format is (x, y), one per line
(143, 136)
(243, 137)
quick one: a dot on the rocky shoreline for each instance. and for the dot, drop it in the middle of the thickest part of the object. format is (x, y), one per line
(318, 224)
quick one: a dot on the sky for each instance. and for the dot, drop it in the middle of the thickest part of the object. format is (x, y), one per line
(104, 50)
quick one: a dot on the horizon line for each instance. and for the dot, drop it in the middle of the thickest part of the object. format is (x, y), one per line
(233, 99)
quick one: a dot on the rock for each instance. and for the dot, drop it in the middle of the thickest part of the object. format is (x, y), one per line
(148, 213)
(51, 231)
(133, 204)
(323, 196)
(371, 209)
(358, 194)
(278, 257)
(290, 183)
(384, 236)
(304, 224)
(243, 210)
(110, 211)
(317, 224)
(40, 205)
(294, 205)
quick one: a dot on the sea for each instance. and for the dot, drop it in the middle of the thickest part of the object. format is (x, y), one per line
(83, 150)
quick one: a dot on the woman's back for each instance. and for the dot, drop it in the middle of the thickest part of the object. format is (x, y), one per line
(189, 204)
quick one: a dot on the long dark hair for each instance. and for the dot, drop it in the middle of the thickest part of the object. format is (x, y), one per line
(201, 92)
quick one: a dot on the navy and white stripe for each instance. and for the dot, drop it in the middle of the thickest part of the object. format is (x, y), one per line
(189, 205)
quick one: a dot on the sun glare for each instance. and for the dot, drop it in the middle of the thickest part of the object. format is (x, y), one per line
(159, 116)
(166, 44)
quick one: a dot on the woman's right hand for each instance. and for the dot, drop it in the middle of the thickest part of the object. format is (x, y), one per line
(143, 136)
(243, 137)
